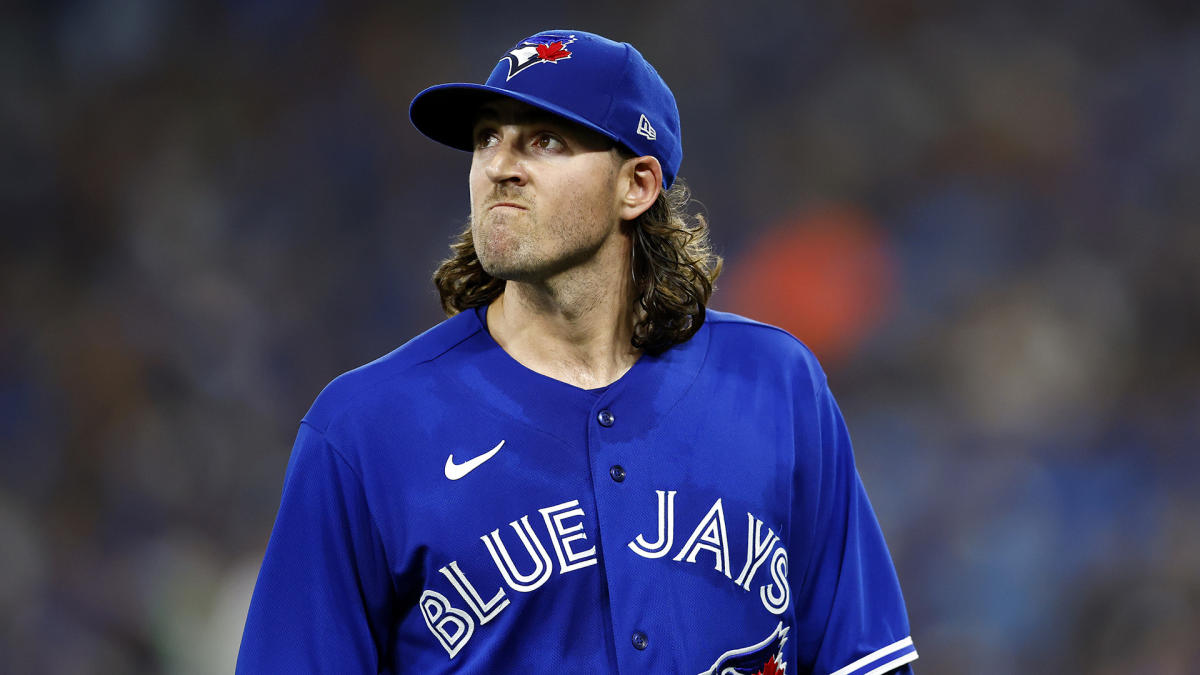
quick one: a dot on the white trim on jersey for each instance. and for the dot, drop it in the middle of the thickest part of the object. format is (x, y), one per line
(879, 654)
(894, 664)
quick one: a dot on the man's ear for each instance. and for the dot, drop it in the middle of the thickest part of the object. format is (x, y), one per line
(640, 184)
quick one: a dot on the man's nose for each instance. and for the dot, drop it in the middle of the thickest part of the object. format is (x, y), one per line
(506, 164)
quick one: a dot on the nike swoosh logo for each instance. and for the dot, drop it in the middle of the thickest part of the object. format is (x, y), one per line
(456, 471)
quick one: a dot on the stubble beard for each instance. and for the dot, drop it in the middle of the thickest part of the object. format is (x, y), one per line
(502, 252)
(507, 249)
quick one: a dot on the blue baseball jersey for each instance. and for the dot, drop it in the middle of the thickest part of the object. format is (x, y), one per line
(446, 509)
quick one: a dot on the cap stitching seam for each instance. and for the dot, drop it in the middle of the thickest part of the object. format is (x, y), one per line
(612, 98)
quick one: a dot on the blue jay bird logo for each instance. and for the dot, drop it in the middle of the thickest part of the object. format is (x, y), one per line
(530, 53)
(764, 658)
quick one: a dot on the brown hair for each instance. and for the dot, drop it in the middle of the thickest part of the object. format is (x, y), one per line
(674, 269)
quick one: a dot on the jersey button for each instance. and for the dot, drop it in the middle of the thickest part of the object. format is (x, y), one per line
(617, 472)
(606, 418)
(639, 640)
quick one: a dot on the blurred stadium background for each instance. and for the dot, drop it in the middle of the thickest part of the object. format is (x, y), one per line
(982, 215)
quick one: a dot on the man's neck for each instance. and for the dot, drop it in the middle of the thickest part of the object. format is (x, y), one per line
(575, 330)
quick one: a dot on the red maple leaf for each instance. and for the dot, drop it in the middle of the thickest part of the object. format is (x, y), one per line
(552, 52)
(770, 668)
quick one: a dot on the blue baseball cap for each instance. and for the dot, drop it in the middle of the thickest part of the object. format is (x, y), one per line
(606, 86)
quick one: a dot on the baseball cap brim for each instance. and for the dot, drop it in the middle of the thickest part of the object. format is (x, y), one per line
(447, 113)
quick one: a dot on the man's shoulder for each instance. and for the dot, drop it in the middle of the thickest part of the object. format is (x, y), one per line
(398, 372)
(748, 333)
(738, 338)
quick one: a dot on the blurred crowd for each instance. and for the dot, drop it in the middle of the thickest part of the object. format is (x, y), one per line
(983, 216)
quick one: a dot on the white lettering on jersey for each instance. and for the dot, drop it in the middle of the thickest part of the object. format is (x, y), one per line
(451, 626)
(666, 529)
(709, 535)
(484, 611)
(568, 558)
(775, 596)
(504, 562)
(757, 549)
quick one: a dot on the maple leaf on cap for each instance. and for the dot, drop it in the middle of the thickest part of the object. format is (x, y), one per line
(770, 668)
(552, 52)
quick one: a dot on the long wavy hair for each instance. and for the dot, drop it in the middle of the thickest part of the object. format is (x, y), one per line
(674, 269)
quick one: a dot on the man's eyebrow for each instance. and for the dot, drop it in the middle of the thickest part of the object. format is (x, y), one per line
(488, 113)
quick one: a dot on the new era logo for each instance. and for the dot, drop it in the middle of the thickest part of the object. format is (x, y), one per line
(644, 129)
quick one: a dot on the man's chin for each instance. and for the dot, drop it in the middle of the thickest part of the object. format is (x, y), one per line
(511, 271)
(530, 270)
(503, 269)
(511, 274)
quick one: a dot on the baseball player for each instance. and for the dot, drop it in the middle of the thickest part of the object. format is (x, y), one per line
(583, 469)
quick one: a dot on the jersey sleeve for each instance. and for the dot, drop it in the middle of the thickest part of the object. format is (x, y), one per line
(322, 600)
(849, 609)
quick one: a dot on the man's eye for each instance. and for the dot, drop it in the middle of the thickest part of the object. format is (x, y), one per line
(548, 142)
(486, 139)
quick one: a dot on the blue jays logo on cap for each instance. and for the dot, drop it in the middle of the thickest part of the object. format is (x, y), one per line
(585, 78)
(764, 658)
(530, 53)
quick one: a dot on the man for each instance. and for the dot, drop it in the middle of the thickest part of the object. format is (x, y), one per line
(582, 470)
